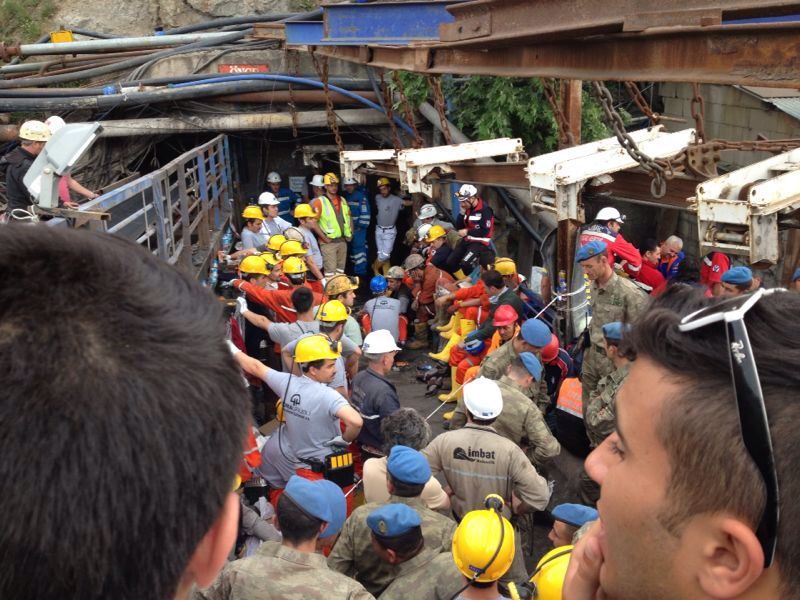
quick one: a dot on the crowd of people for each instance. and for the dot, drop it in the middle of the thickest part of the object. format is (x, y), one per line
(285, 463)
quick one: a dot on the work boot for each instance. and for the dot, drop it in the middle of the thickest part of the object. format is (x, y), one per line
(420, 337)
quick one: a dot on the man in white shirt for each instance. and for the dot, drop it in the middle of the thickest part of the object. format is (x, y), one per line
(272, 223)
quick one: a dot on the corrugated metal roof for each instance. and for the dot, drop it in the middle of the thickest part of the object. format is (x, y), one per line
(786, 100)
(791, 106)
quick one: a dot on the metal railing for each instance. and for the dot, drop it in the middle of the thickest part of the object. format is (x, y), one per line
(178, 211)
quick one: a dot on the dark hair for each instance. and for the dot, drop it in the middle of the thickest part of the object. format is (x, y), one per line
(123, 415)
(251, 276)
(649, 245)
(316, 364)
(492, 278)
(296, 525)
(251, 221)
(699, 427)
(302, 299)
(483, 422)
(405, 490)
(406, 545)
(405, 427)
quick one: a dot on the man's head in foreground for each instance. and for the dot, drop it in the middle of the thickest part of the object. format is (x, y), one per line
(681, 496)
(121, 421)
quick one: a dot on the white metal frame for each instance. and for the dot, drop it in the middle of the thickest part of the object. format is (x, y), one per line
(350, 160)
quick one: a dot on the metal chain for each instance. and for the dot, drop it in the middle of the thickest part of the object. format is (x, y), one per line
(322, 71)
(387, 103)
(293, 60)
(409, 114)
(435, 84)
(642, 103)
(698, 108)
(565, 137)
(659, 172)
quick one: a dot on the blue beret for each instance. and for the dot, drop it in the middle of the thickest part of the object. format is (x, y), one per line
(391, 520)
(535, 332)
(796, 274)
(311, 496)
(737, 276)
(590, 249)
(334, 496)
(574, 514)
(614, 330)
(408, 465)
(532, 364)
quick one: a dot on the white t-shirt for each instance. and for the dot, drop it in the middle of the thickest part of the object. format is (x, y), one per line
(284, 334)
(309, 412)
(384, 313)
(274, 226)
(313, 247)
(252, 240)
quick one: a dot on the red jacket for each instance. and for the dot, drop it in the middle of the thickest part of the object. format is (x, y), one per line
(617, 246)
(279, 301)
(651, 277)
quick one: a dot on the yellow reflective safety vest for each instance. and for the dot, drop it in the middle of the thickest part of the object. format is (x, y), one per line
(328, 220)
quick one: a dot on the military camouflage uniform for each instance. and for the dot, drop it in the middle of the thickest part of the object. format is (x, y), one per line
(353, 554)
(430, 575)
(494, 366)
(521, 422)
(618, 300)
(600, 421)
(278, 572)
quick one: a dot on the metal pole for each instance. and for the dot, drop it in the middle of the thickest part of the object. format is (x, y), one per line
(151, 41)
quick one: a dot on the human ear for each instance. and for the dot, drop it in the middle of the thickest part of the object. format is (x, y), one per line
(210, 554)
(731, 558)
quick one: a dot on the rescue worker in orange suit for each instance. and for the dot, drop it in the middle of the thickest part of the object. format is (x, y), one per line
(429, 281)
(475, 225)
(606, 228)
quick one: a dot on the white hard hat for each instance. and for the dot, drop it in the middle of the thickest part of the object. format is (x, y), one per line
(34, 131)
(483, 398)
(467, 191)
(293, 233)
(379, 342)
(273, 177)
(54, 123)
(423, 231)
(350, 181)
(267, 199)
(609, 213)
(427, 211)
(317, 181)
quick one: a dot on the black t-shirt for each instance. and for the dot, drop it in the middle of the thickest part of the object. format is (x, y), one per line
(18, 161)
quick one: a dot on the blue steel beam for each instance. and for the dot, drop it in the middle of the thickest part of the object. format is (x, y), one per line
(385, 22)
(308, 33)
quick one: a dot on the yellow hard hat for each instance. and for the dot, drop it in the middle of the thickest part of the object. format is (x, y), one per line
(252, 212)
(339, 284)
(254, 264)
(294, 265)
(315, 347)
(275, 241)
(34, 131)
(332, 311)
(291, 248)
(434, 233)
(550, 573)
(384, 181)
(270, 258)
(302, 211)
(476, 541)
(505, 266)
(329, 178)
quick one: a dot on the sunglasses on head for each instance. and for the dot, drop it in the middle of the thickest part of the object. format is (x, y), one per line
(749, 400)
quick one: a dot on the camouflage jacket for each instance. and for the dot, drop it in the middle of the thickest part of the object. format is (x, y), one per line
(278, 572)
(601, 414)
(618, 300)
(494, 366)
(430, 575)
(353, 554)
(521, 422)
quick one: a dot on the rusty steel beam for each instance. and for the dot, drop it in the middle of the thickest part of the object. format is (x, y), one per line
(759, 55)
(635, 186)
(492, 23)
(495, 174)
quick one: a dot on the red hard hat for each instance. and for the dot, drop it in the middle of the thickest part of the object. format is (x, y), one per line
(550, 351)
(504, 315)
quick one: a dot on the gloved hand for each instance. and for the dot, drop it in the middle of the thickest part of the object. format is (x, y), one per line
(241, 305)
(232, 347)
(226, 284)
(336, 443)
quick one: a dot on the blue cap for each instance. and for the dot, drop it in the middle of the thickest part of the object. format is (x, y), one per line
(796, 274)
(615, 330)
(391, 520)
(408, 465)
(737, 276)
(535, 332)
(319, 500)
(574, 514)
(590, 249)
(532, 364)
(334, 496)
(378, 285)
